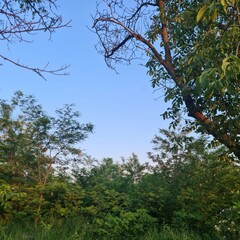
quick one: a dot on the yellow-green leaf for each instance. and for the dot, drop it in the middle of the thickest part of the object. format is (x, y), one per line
(224, 4)
(214, 15)
(225, 63)
(201, 12)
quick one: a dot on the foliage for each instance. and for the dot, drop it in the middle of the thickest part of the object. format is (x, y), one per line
(62, 199)
(152, 193)
(228, 223)
(186, 186)
(192, 50)
(34, 146)
(9, 199)
(202, 184)
(128, 225)
(217, 190)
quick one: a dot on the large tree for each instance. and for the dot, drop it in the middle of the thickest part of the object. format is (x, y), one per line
(192, 50)
(21, 19)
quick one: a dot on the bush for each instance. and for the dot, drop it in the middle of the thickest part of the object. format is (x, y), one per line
(128, 225)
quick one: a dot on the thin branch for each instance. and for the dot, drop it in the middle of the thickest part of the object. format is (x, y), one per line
(23, 18)
(119, 46)
(140, 7)
(39, 71)
(137, 36)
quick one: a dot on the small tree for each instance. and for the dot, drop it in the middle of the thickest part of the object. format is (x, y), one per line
(193, 54)
(34, 145)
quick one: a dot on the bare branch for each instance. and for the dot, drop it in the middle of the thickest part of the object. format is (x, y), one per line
(119, 45)
(145, 4)
(21, 19)
(39, 71)
(119, 32)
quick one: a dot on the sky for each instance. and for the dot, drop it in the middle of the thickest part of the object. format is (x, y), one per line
(123, 107)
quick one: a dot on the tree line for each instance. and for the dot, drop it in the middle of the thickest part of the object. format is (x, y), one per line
(46, 178)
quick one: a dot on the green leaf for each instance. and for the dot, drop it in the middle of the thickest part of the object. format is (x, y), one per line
(201, 12)
(235, 59)
(208, 94)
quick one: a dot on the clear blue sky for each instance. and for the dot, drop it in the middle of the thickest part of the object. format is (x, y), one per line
(121, 106)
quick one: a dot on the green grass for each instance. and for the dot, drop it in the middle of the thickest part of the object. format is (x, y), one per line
(167, 233)
(70, 230)
(75, 229)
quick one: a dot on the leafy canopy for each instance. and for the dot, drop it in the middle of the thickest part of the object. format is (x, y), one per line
(192, 50)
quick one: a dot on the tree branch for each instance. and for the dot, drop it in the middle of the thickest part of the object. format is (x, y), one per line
(114, 31)
(39, 71)
(20, 19)
(119, 46)
(140, 7)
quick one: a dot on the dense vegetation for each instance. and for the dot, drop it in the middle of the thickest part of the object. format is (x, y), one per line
(47, 182)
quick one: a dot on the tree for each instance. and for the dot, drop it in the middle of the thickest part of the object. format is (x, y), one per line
(34, 145)
(133, 169)
(193, 55)
(21, 19)
(110, 199)
(202, 184)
